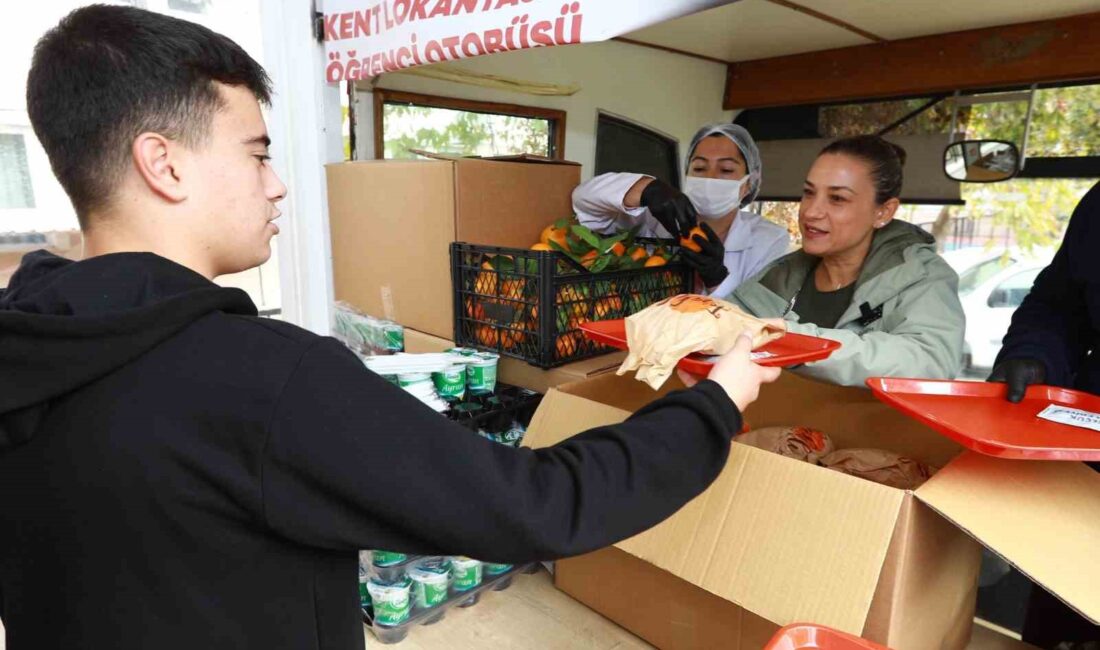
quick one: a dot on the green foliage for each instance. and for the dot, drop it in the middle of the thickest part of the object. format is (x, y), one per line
(587, 236)
(461, 132)
(1065, 122)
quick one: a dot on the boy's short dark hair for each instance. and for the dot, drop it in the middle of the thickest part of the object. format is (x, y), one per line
(105, 74)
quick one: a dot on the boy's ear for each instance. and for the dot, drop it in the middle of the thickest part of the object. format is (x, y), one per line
(158, 162)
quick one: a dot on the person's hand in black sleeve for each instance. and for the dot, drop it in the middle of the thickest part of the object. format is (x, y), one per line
(1053, 325)
(710, 261)
(670, 207)
(353, 462)
(1019, 374)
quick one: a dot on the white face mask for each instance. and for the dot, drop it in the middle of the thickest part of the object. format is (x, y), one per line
(714, 198)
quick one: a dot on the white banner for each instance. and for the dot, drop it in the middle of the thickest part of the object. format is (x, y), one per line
(364, 38)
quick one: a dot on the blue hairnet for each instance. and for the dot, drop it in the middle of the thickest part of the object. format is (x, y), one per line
(740, 137)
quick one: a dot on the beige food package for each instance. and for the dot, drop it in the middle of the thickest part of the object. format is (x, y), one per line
(666, 332)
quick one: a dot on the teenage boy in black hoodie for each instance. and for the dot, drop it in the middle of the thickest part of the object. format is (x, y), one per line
(178, 473)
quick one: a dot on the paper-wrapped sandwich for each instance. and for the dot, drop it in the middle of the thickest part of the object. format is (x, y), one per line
(666, 332)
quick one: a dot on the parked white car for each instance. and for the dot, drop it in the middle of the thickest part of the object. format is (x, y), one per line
(992, 284)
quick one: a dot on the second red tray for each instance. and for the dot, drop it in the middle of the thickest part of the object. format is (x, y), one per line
(791, 350)
(977, 416)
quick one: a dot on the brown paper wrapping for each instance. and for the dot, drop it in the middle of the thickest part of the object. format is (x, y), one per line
(800, 443)
(666, 332)
(880, 466)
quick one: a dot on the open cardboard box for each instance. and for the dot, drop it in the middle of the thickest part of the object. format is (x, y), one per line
(776, 541)
(392, 223)
(520, 373)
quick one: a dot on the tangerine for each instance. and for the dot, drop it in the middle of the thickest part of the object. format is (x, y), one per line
(656, 260)
(607, 307)
(512, 338)
(689, 241)
(567, 344)
(488, 336)
(474, 309)
(557, 235)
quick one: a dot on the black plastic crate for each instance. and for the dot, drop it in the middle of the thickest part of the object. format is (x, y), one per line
(498, 410)
(530, 304)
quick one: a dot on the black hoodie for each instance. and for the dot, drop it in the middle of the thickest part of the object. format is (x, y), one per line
(178, 473)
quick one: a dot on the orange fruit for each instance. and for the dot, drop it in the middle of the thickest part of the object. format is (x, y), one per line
(474, 309)
(512, 289)
(541, 247)
(689, 243)
(638, 254)
(487, 336)
(512, 338)
(618, 249)
(656, 260)
(572, 298)
(569, 293)
(486, 280)
(607, 307)
(552, 234)
(567, 344)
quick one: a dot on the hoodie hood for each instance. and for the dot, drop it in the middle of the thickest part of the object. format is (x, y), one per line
(64, 324)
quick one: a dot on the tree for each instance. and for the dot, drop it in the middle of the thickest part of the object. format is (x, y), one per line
(461, 133)
(1065, 122)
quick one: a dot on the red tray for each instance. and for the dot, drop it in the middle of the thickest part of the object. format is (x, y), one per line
(977, 416)
(816, 637)
(790, 350)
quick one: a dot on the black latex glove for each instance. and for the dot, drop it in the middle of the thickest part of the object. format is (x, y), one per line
(710, 262)
(669, 207)
(1019, 374)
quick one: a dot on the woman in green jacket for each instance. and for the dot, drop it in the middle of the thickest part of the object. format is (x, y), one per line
(874, 284)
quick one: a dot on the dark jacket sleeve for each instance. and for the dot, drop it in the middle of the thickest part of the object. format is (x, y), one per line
(1052, 324)
(353, 462)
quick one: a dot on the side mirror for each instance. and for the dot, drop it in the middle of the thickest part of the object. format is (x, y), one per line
(981, 161)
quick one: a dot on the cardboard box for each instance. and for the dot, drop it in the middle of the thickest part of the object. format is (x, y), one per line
(776, 541)
(520, 373)
(392, 222)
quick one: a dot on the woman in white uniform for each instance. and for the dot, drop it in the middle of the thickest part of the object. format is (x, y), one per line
(722, 176)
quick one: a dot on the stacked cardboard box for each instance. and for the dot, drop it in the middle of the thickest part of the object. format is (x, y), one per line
(392, 223)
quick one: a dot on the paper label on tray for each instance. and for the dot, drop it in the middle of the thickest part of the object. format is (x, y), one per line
(1072, 417)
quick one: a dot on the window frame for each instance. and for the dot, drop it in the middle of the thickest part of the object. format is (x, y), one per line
(382, 97)
(30, 197)
(678, 172)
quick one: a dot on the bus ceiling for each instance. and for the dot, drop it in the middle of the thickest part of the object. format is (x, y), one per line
(790, 61)
(1049, 52)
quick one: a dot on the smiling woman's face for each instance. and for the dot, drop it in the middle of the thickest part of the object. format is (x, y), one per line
(838, 212)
